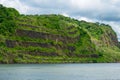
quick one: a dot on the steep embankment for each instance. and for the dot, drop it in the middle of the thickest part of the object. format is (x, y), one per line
(54, 39)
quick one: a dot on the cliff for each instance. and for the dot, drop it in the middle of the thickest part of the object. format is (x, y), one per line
(54, 39)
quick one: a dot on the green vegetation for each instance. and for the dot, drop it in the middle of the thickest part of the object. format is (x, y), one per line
(7, 20)
(54, 39)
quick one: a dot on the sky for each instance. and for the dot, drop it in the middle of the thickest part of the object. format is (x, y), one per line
(104, 11)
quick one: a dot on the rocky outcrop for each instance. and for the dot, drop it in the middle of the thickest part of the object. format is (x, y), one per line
(13, 44)
(33, 34)
(109, 39)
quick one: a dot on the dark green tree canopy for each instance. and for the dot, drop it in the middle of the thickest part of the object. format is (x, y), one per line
(7, 15)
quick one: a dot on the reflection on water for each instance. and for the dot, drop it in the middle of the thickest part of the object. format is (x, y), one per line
(60, 71)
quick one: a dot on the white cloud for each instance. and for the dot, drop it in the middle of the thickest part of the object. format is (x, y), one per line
(15, 4)
(65, 14)
(86, 4)
(85, 19)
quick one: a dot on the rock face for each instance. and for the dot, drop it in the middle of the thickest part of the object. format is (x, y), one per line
(33, 34)
(54, 39)
(104, 34)
(110, 39)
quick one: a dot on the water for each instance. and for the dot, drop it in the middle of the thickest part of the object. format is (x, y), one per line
(60, 71)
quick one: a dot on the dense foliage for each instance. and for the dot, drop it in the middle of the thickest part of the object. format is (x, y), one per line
(54, 39)
(7, 20)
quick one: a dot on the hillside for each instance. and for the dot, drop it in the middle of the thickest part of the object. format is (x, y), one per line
(54, 39)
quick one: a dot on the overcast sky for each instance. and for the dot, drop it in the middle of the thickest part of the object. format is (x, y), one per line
(105, 11)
